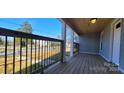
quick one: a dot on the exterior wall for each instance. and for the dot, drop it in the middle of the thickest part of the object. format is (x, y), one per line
(105, 39)
(89, 43)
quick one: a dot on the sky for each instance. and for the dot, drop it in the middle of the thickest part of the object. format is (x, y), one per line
(50, 27)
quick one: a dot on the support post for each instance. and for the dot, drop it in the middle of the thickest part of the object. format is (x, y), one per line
(72, 44)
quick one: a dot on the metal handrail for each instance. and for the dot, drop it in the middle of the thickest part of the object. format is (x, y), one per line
(45, 54)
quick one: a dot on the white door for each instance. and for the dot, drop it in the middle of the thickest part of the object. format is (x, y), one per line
(116, 43)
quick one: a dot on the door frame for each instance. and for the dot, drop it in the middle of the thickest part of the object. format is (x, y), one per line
(112, 36)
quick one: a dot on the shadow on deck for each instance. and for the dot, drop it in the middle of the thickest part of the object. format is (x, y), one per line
(84, 64)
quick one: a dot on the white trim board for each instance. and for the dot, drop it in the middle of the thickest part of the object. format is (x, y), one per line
(90, 53)
(105, 57)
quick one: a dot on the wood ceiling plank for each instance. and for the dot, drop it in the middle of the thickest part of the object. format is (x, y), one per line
(83, 25)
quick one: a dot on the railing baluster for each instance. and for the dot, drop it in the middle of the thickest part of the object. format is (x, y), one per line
(57, 52)
(20, 54)
(5, 54)
(62, 46)
(76, 48)
(31, 58)
(26, 53)
(53, 51)
(47, 53)
(60, 50)
(50, 51)
(35, 53)
(39, 55)
(44, 53)
(13, 55)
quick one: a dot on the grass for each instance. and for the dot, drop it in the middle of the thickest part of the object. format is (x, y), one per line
(34, 66)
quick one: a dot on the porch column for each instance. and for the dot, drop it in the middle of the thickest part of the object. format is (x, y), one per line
(64, 42)
(72, 44)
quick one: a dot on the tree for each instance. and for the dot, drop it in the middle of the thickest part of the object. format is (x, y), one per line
(1, 41)
(26, 28)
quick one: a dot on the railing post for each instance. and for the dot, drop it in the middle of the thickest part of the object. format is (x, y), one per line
(78, 48)
(6, 42)
(63, 48)
(42, 64)
(62, 51)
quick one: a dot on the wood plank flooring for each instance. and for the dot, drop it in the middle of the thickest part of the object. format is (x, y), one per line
(84, 64)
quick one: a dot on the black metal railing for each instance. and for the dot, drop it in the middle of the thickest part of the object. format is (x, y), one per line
(76, 48)
(27, 53)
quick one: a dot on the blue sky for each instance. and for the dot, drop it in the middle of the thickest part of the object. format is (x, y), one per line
(50, 27)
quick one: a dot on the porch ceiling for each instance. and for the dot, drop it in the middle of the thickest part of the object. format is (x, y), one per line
(83, 25)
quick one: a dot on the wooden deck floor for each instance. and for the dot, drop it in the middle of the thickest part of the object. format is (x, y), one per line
(84, 64)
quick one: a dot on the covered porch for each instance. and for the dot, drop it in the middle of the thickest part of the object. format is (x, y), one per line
(98, 49)
(100, 46)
